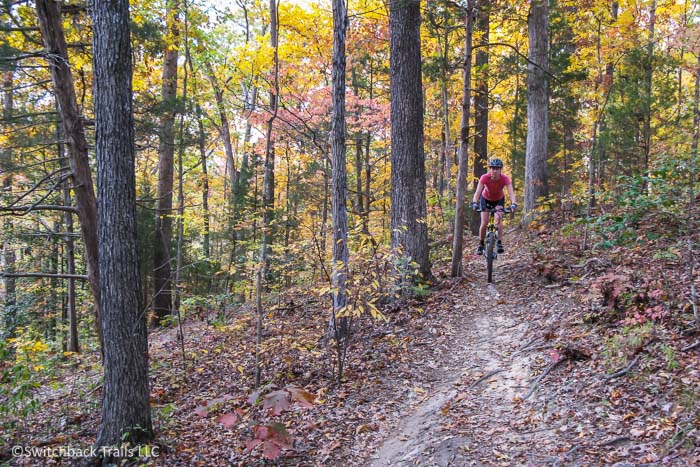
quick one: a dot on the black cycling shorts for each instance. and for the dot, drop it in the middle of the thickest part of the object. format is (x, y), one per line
(486, 204)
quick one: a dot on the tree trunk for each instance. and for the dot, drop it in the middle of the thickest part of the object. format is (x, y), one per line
(594, 140)
(268, 190)
(607, 84)
(50, 23)
(162, 252)
(445, 159)
(289, 215)
(126, 412)
(457, 234)
(537, 105)
(223, 128)
(409, 231)
(646, 135)
(691, 218)
(368, 166)
(73, 344)
(268, 193)
(324, 210)
(181, 190)
(339, 330)
(481, 105)
(71, 317)
(8, 249)
(696, 123)
(205, 183)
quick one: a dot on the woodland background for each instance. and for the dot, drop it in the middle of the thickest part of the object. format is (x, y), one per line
(247, 162)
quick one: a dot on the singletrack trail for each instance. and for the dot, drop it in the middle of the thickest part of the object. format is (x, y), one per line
(475, 413)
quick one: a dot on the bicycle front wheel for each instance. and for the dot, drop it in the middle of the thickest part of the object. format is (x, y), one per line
(490, 247)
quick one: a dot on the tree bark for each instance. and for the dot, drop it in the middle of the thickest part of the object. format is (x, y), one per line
(268, 194)
(339, 329)
(692, 218)
(537, 105)
(70, 312)
(463, 169)
(179, 252)
(224, 130)
(445, 159)
(126, 412)
(8, 249)
(607, 85)
(205, 183)
(49, 15)
(646, 136)
(162, 254)
(409, 231)
(481, 104)
(268, 190)
(73, 343)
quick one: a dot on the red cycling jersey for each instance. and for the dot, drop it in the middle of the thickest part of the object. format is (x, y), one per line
(493, 189)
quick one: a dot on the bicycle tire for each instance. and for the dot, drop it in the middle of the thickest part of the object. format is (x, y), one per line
(490, 245)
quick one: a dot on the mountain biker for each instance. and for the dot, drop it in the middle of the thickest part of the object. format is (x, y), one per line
(490, 194)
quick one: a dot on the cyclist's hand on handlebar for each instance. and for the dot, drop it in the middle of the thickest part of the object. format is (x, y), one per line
(474, 205)
(513, 207)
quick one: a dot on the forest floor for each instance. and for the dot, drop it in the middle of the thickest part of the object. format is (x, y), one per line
(567, 359)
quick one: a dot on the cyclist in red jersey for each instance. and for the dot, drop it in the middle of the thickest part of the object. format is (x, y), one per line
(489, 194)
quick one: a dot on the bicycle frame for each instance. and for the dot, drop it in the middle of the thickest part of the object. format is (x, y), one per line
(491, 239)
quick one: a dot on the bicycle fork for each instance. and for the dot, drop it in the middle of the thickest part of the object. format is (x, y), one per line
(491, 239)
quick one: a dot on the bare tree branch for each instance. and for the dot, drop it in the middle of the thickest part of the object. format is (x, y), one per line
(38, 184)
(24, 210)
(42, 274)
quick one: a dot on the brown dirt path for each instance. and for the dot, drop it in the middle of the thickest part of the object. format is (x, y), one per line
(476, 414)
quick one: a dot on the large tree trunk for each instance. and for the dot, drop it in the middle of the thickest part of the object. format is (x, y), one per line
(49, 15)
(481, 104)
(8, 249)
(162, 254)
(339, 330)
(126, 412)
(537, 105)
(457, 239)
(409, 230)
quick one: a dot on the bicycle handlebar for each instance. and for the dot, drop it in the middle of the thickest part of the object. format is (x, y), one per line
(494, 210)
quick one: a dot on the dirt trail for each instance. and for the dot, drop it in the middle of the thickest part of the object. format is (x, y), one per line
(466, 418)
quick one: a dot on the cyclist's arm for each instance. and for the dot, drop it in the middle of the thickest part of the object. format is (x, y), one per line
(477, 193)
(511, 194)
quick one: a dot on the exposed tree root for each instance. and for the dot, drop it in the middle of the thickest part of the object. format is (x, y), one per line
(624, 371)
(691, 346)
(551, 367)
(486, 376)
(610, 442)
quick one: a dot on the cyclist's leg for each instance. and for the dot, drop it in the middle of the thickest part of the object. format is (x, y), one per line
(484, 219)
(484, 223)
(499, 223)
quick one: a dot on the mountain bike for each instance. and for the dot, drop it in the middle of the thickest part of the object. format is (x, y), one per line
(491, 239)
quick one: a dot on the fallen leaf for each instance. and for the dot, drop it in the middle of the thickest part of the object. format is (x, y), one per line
(229, 419)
